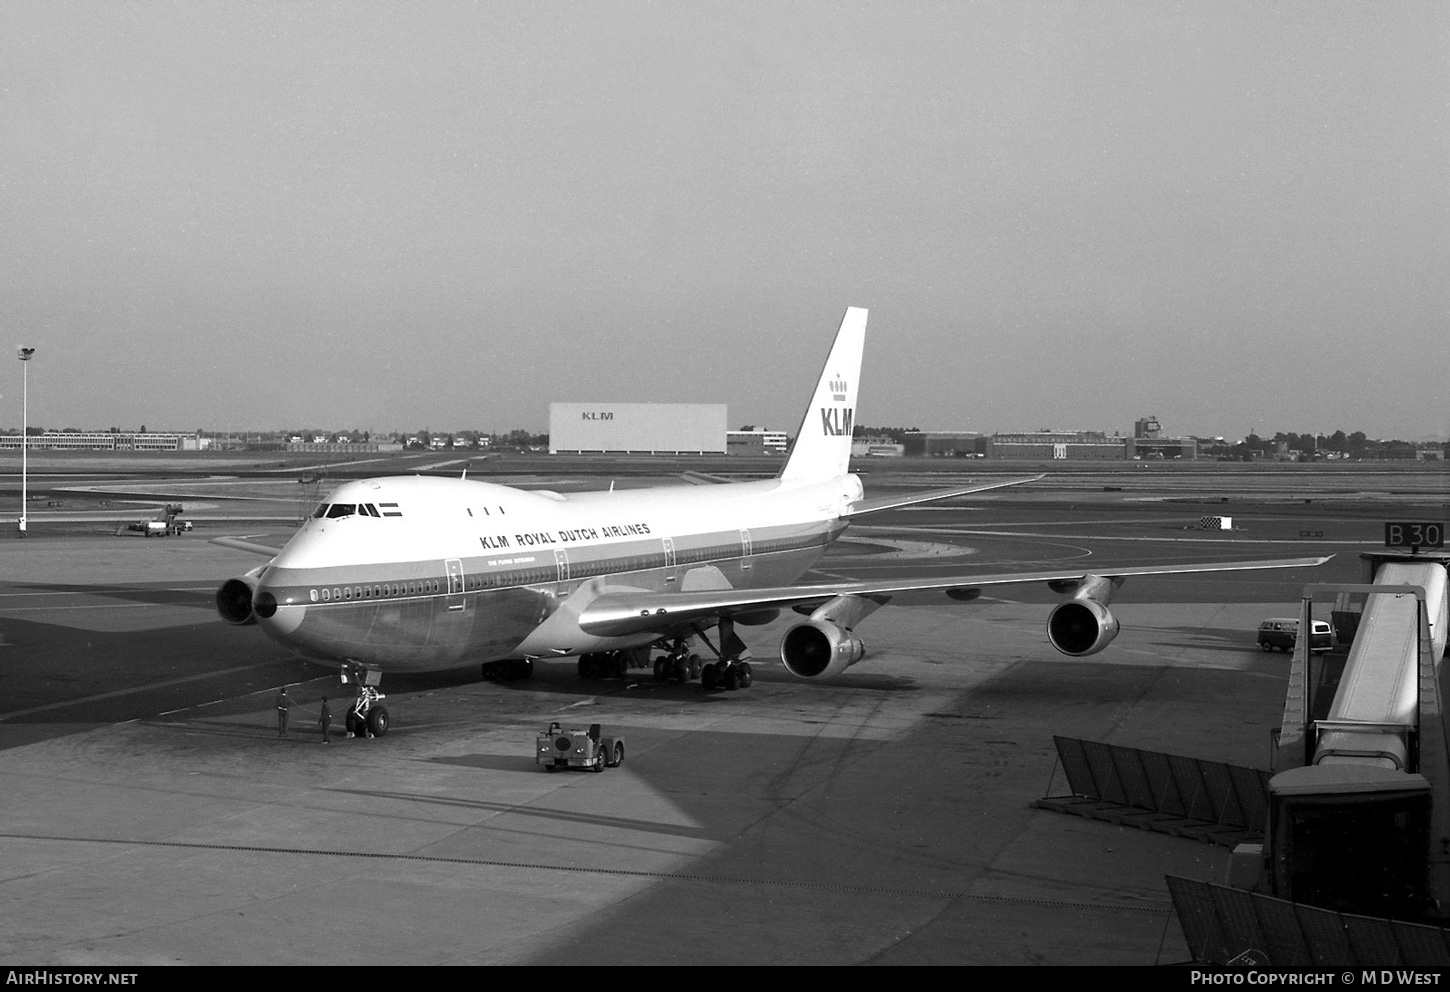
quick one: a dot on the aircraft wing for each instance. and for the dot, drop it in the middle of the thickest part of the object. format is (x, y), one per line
(618, 614)
(242, 545)
(878, 503)
(704, 479)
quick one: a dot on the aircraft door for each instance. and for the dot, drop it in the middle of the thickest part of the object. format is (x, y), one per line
(745, 561)
(561, 565)
(669, 544)
(454, 568)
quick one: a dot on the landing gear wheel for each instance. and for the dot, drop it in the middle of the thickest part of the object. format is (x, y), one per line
(710, 676)
(692, 667)
(732, 677)
(377, 724)
(660, 669)
(746, 675)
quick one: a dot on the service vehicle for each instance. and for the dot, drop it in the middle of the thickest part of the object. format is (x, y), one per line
(558, 748)
(1282, 632)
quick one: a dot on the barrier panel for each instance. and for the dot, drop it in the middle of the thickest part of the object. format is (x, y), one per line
(1186, 797)
(1224, 925)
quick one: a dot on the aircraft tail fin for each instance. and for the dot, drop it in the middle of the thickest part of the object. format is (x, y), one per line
(823, 443)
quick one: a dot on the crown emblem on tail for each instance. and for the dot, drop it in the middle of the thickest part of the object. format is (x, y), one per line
(838, 390)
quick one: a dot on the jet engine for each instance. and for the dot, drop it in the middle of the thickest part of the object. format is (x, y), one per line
(1081, 627)
(234, 599)
(819, 649)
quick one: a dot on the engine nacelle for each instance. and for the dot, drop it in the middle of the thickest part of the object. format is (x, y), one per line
(1081, 627)
(819, 649)
(234, 599)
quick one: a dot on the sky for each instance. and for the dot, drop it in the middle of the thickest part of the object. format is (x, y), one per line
(446, 215)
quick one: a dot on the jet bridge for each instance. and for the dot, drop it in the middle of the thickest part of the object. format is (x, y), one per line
(1359, 810)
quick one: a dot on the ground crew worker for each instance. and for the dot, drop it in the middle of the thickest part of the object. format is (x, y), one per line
(325, 717)
(284, 705)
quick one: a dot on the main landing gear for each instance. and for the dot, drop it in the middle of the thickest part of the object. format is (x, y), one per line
(612, 664)
(511, 670)
(727, 673)
(678, 664)
(732, 671)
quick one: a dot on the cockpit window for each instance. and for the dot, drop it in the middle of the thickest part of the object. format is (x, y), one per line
(338, 510)
(320, 512)
(371, 510)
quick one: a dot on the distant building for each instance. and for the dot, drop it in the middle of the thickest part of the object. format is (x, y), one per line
(754, 442)
(108, 441)
(944, 444)
(638, 428)
(876, 446)
(1058, 445)
(1147, 427)
(1150, 442)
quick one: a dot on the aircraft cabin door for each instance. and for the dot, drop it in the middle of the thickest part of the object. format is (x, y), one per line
(561, 565)
(454, 567)
(745, 561)
(669, 543)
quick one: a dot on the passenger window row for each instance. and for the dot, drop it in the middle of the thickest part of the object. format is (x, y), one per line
(386, 591)
(522, 577)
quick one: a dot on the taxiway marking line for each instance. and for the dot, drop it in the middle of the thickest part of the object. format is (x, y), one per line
(107, 591)
(126, 692)
(686, 876)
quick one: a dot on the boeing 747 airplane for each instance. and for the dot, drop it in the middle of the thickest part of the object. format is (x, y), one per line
(411, 574)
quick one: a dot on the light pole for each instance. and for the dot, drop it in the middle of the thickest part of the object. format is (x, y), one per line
(25, 355)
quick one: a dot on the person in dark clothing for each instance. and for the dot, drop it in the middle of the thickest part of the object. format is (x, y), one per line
(284, 707)
(325, 717)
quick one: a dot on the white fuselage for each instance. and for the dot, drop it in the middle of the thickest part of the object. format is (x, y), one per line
(417, 574)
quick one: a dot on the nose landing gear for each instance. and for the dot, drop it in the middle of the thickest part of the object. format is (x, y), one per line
(366, 717)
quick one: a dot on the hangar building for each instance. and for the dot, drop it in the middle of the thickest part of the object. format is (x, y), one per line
(1058, 444)
(640, 428)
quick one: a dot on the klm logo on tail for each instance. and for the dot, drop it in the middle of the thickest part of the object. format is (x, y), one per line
(836, 421)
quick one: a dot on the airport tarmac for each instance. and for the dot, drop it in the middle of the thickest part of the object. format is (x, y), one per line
(149, 813)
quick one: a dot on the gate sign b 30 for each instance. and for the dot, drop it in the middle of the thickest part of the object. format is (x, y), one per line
(1425, 534)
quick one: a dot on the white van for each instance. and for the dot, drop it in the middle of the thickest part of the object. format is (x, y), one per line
(1281, 632)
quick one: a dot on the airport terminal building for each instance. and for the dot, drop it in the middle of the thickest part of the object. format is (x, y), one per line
(107, 441)
(637, 428)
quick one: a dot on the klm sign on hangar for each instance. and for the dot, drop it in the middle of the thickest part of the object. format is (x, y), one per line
(696, 428)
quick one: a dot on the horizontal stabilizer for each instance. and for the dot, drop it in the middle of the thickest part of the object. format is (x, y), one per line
(878, 503)
(240, 545)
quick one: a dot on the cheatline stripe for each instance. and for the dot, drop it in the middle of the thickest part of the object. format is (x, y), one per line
(618, 872)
